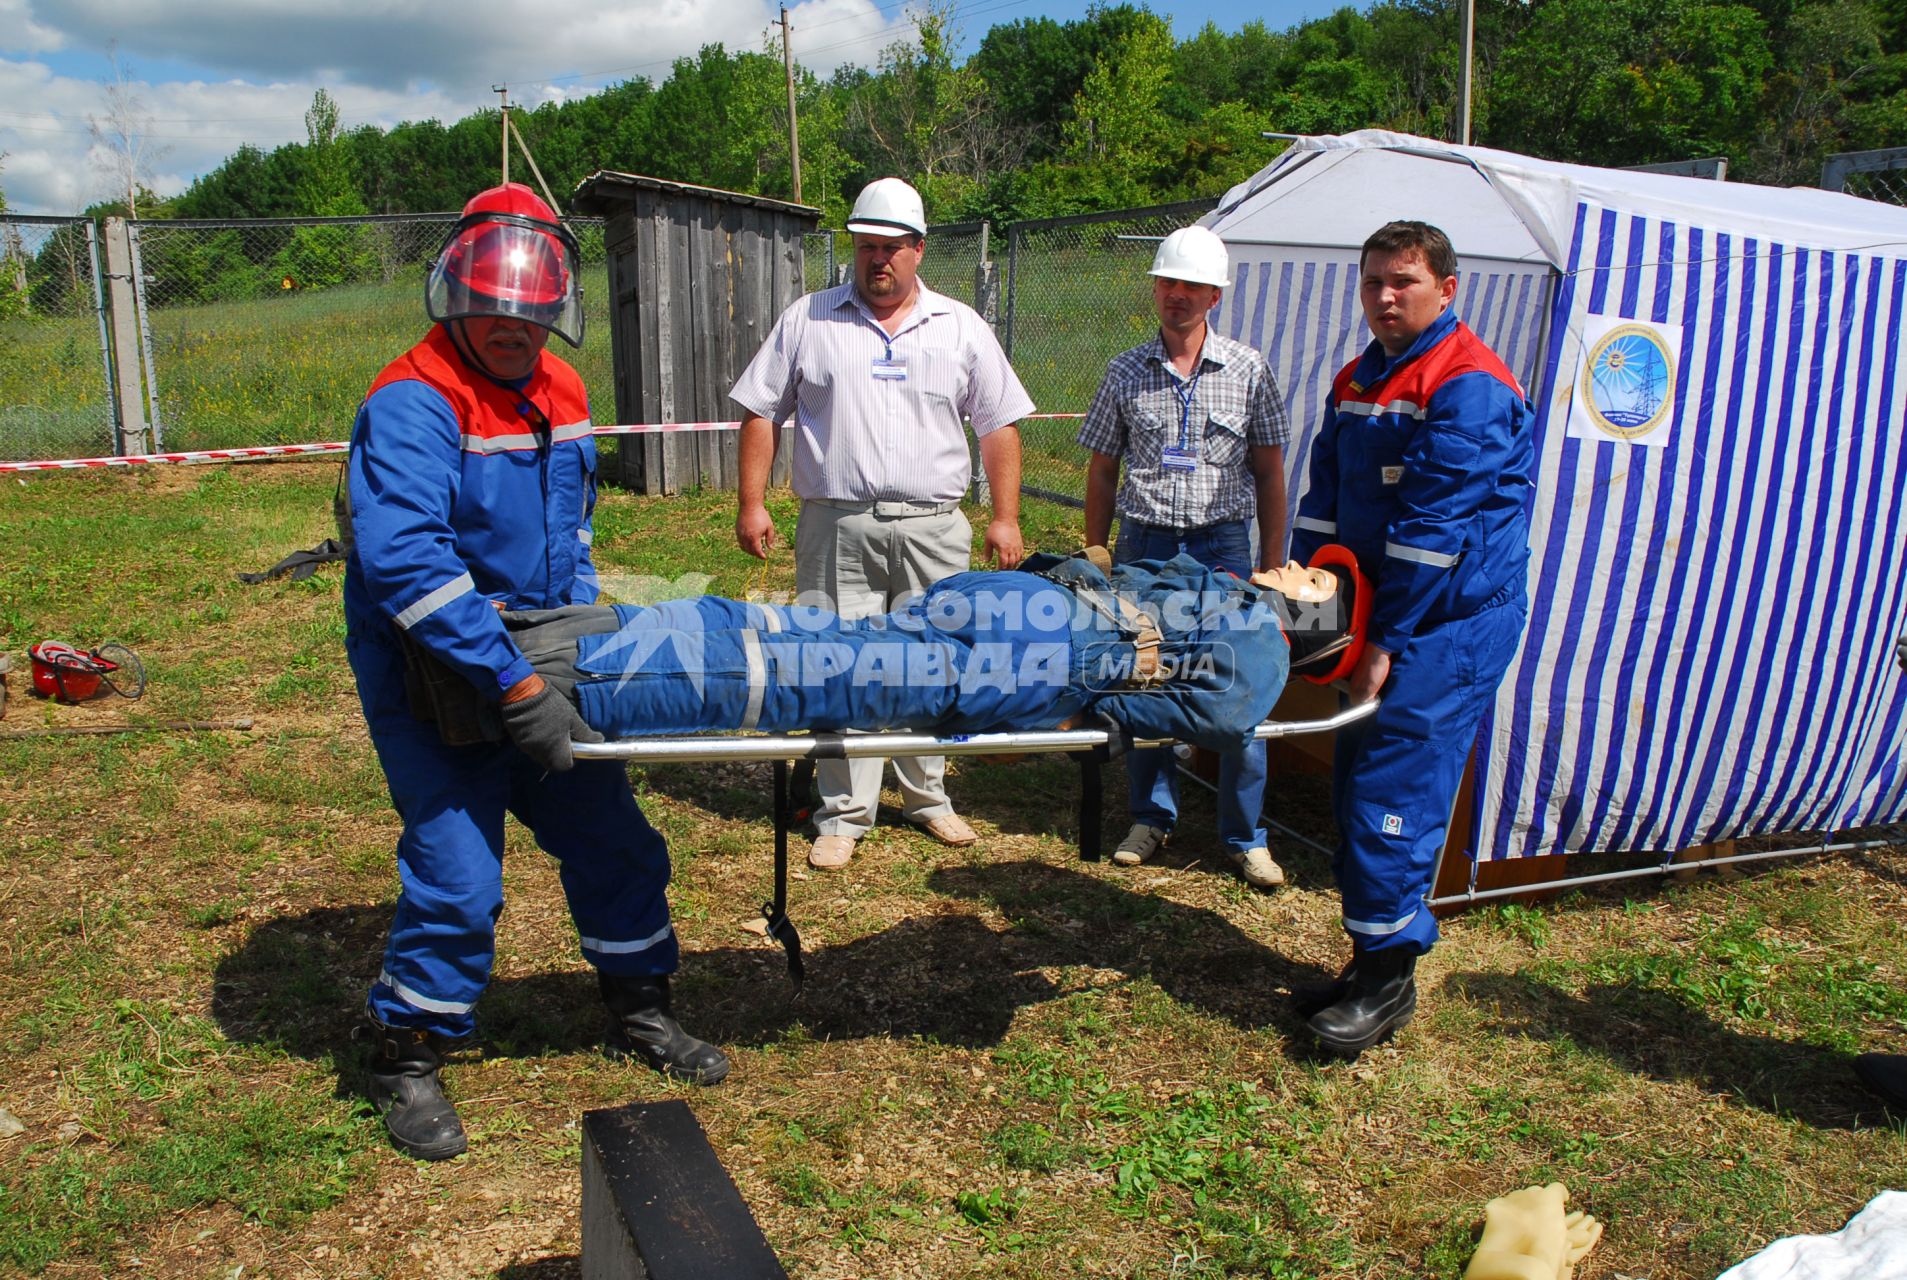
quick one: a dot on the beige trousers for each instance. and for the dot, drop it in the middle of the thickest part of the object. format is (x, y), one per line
(864, 563)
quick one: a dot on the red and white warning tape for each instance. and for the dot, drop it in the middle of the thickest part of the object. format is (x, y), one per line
(339, 446)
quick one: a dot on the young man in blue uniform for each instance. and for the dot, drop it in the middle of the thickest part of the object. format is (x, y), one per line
(472, 479)
(1422, 470)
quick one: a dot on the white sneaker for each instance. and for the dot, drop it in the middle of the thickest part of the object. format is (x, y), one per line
(1258, 868)
(1140, 844)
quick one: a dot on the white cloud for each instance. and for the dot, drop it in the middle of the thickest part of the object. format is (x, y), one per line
(20, 33)
(385, 61)
(402, 44)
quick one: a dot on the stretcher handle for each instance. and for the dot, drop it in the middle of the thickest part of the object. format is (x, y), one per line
(857, 746)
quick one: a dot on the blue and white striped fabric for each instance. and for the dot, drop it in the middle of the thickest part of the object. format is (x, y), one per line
(1710, 645)
(1300, 307)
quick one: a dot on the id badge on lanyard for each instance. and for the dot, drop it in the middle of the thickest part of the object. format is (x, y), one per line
(889, 367)
(1183, 456)
(1179, 457)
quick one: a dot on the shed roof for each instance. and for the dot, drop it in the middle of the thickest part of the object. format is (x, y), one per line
(606, 190)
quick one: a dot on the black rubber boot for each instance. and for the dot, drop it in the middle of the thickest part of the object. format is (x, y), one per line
(405, 1088)
(646, 1029)
(1382, 996)
(1886, 1075)
(1311, 998)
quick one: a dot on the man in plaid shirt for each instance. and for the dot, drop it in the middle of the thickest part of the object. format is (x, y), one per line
(1201, 427)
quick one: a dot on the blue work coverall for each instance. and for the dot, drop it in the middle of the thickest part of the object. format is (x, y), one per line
(1422, 469)
(981, 652)
(465, 492)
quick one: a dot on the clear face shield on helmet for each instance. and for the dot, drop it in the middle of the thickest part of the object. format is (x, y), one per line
(500, 264)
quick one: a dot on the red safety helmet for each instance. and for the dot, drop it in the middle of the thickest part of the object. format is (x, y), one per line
(509, 256)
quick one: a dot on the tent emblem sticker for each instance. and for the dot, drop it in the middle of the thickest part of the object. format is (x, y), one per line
(1627, 387)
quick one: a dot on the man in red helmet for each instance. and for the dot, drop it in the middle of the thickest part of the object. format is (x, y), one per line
(472, 479)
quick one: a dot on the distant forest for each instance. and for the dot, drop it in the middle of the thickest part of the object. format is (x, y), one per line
(1111, 111)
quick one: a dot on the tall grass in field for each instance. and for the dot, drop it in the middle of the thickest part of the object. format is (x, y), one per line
(54, 400)
(292, 368)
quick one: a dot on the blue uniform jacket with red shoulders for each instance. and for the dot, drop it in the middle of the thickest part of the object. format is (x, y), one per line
(466, 490)
(1422, 469)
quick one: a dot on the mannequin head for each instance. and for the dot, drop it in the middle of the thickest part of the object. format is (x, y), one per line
(1295, 582)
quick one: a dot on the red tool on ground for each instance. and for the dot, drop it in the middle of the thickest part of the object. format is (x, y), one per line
(66, 674)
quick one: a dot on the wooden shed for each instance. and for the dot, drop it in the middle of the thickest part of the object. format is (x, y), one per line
(697, 277)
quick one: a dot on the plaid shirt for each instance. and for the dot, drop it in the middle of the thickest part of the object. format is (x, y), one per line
(1141, 408)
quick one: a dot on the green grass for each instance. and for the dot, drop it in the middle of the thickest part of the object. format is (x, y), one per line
(1005, 1062)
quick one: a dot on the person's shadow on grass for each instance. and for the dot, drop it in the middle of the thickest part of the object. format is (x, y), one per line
(297, 983)
(1662, 1036)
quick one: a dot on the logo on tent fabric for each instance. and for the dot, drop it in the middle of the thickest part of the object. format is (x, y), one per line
(1628, 385)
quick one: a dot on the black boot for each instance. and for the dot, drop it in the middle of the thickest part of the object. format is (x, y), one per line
(1310, 998)
(1382, 996)
(1886, 1075)
(405, 1088)
(646, 1029)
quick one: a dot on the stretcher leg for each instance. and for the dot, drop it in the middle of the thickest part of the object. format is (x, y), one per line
(780, 927)
(1092, 801)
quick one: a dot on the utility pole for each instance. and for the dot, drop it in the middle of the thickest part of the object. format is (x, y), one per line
(1467, 39)
(794, 134)
(503, 92)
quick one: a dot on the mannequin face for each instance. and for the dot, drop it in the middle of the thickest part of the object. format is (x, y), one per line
(1293, 580)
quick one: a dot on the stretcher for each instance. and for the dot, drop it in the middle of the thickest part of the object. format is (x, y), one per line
(797, 752)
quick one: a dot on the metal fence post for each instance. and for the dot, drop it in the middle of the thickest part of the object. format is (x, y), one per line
(131, 415)
(105, 337)
(145, 337)
(1012, 278)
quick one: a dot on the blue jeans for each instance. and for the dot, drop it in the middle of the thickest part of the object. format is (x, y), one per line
(1152, 773)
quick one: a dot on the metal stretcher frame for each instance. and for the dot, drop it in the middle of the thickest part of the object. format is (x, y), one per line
(1091, 747)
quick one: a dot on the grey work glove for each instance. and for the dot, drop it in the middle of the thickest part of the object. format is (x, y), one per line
(543, 723)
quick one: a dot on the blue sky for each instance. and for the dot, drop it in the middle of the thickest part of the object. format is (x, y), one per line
(209, 75)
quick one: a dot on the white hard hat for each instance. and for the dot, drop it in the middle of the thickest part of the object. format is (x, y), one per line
(1195, 255)
(886, 207)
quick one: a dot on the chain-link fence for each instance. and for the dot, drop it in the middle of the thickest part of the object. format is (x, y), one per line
(1872, 175)
(1076, 294)
(56, 396)
(269, 331)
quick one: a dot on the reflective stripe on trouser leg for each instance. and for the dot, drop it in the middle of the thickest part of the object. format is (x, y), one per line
(1397, 780)
(614, 866)
(1393, 786)
(450, 855)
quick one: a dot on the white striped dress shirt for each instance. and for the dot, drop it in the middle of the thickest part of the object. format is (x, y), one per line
(862, 434)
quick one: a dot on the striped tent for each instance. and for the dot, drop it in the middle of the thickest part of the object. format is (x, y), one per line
(1719, 559)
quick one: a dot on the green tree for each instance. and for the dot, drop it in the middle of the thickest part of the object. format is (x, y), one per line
(15, 298)
(1116, 139)
(323, 256)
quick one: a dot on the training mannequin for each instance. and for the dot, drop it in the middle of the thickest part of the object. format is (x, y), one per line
(1163, 649)
(1527, 1236)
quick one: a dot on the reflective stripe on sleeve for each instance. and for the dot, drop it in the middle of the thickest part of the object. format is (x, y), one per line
(628, 948)
(1378, 928)
(501, 444)
(1315, 525)
(1362, 409)
(436, 600)
(419, 1001)
(1435, 559)
(757, 679)
(572, 431)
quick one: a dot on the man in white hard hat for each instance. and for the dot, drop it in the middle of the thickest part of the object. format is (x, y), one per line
(1201, 427)
(880, 374)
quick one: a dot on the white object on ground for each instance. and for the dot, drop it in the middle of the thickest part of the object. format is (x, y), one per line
(1872, 1246)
